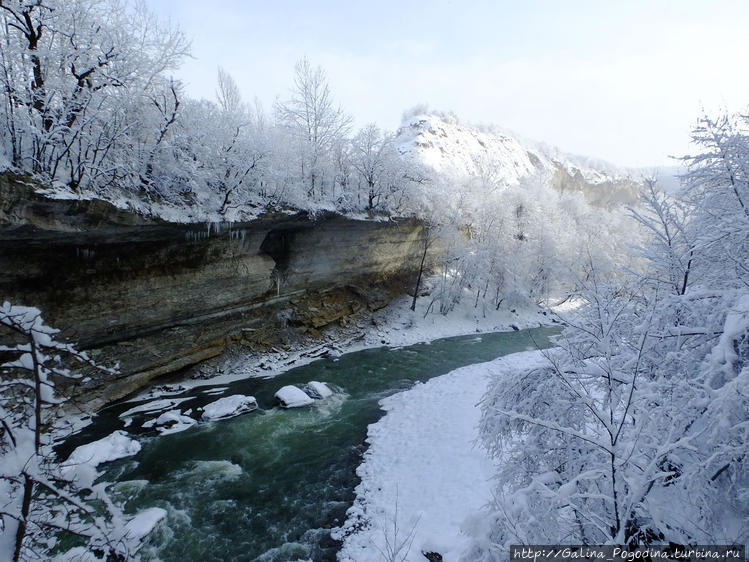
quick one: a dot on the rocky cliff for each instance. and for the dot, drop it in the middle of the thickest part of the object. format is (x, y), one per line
(459, 151)
(157, 296)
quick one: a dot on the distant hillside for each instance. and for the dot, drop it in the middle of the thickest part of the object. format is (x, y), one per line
(459, 150)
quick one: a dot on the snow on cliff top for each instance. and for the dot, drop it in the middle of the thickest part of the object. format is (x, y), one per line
(457, 149)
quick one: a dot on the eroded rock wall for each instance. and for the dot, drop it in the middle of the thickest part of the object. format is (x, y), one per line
(158, 296)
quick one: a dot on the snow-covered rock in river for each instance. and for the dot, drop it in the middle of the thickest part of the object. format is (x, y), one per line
(317, 390)
(144, 522)
(172, 421)
(115, 446)
(152, 406)
(216, 390)
(229, 406)
(82, 462)
(165, 390)
(292, 397)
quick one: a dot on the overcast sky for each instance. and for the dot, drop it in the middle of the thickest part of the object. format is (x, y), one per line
(623, 81)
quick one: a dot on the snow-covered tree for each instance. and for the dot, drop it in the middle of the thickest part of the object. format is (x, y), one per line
(240, 144)
(717, 187)
(77, 77)
(631, 433)
(228, 94)
(634, 430)
(383, 175)
(42, 510)
(517, 244)
(669, 249)
(315, 125)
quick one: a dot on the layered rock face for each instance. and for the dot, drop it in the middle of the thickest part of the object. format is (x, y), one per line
(158, 296)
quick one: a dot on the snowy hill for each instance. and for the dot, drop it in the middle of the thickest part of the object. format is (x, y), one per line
(460, 151)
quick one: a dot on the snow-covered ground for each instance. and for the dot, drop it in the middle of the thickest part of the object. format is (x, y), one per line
(423, 478)
(398, 325)
(207, 208)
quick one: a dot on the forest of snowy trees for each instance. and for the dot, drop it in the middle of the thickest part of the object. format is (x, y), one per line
(89, 105)
(635, 431)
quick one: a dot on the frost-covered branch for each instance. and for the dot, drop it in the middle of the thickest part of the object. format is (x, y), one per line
(43, 500)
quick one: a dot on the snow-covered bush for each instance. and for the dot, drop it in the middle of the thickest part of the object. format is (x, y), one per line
(632, 433)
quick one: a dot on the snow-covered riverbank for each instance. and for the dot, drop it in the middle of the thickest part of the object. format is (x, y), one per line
(395, 325)
(424, 480)
(361, 380)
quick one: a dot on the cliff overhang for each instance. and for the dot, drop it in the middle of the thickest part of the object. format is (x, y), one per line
(156, 296)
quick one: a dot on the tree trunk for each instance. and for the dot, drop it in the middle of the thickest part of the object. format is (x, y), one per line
(37, 396)
(686, 272)
(28, 491)
(421, 271)
(618, 525)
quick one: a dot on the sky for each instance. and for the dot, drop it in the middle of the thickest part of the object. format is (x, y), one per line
(623, 81)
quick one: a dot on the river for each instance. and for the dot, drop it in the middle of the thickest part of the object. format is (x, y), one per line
(270, 484)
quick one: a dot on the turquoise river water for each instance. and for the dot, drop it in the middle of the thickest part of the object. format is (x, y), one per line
(269, 485)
